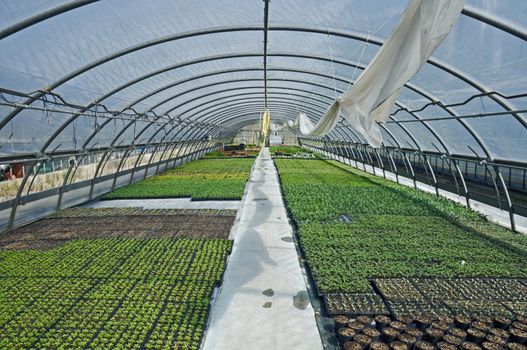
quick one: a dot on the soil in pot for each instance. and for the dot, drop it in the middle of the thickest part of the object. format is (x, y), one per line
(488, 345)
(352, 345)
(371, 332)
(452, 339)
(462, 322)
(475, 335)
(389, 334)
(356, 326)
(495, 339)
(470, 346)
(440, 325)
(406, 319)
(365, 320)
(517, 336)
(423, 321)
(458, 332)
(480, 326)
(501, 322)
(446, 319)
(516, 346)
(407, 339)
(362, 339)
(345, 334)
(398, 326)
(398, 345)
(382, 322)
(433, 335)
(520, 325)
(502, 333)
(341, 321)
(423, 345)
(415, 332)
(443, 345)
(485, 319)
(377, 345)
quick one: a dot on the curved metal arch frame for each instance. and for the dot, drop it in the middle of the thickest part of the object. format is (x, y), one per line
(411, 136)
(468, 11)
(413, 88)
(488, 22)
(201, 60)
(153, 134)
(275, 107)
(417, 143)
(171, 98)
(349, 35)
(402, 126)
(256, 108)
(235, 102)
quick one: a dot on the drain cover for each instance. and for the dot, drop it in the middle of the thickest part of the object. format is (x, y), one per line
(345, 218)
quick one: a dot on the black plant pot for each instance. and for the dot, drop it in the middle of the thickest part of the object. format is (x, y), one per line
(389, 334)
(377, 345)
(424, 345)
(462, 322)
(518, 336)
(433, 335)
(475, 336)
(423, 321)
(443, 345)
(382, 322)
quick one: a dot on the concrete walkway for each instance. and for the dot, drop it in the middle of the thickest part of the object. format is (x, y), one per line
(263, 302)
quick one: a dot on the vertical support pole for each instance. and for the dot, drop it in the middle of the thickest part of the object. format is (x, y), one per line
(436, 185)
(370, 160)
(381, 163)
(64, 183)
(411, 169)
(16, 201)
(498, 195)
(509, 201)
(467, 195)
(396, 171)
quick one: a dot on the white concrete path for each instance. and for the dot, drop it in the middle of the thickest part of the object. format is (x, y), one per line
(263, 302)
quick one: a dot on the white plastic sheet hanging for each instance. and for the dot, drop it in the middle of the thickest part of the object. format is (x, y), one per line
(424, 25)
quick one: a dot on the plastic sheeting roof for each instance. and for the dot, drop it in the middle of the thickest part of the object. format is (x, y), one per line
(203, 61)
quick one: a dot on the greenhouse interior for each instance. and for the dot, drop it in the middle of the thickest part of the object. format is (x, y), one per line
(286, 174)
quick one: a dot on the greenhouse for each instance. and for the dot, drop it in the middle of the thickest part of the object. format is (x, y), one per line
(217, 175)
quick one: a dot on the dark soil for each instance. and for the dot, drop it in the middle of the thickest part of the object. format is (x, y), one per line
(55, 231)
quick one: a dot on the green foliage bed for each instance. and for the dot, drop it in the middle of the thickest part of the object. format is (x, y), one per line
(109, 294)
(286, 149)
(394, 230)
(291, 151)
(200, 179)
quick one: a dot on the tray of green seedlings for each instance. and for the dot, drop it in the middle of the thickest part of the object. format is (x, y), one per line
(482, 289)
(110, 293)
(404, 299)
(354, 304)
(292, 152)
(389, 231)
(131, 211)
(204, 179)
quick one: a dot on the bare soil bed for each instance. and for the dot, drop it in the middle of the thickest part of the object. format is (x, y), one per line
(87, 223)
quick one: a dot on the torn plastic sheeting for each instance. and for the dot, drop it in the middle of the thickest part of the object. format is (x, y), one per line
(423, 27)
